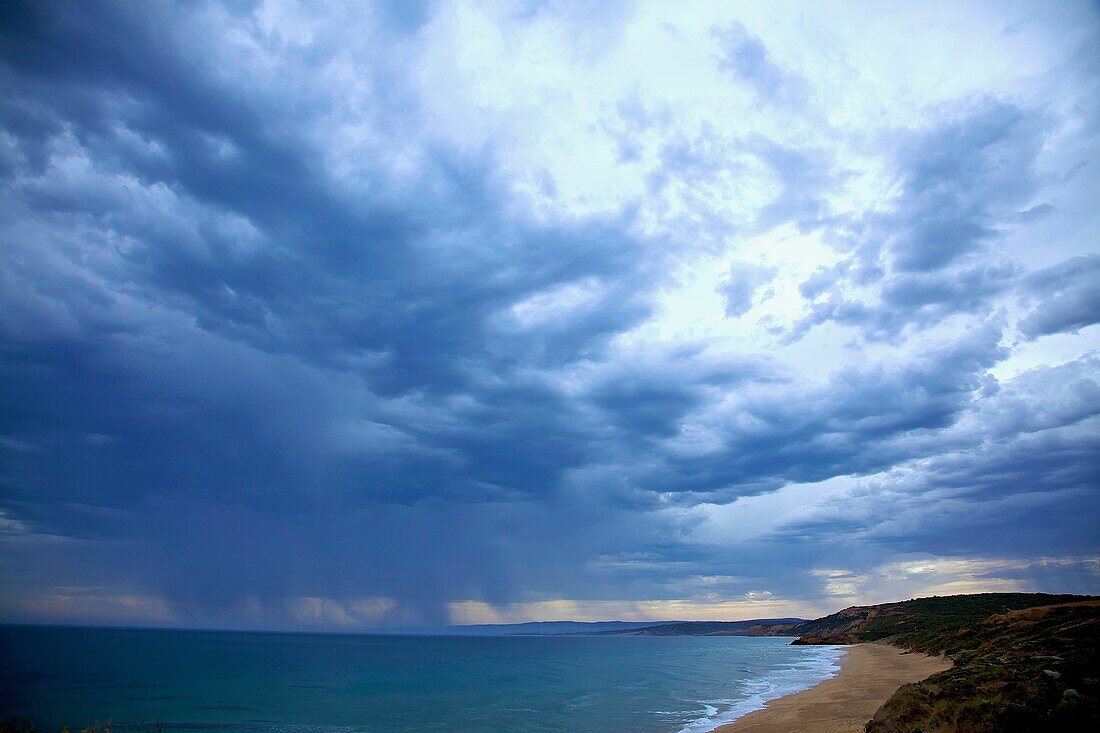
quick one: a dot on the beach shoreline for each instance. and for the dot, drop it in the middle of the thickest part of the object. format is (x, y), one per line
(869, 674)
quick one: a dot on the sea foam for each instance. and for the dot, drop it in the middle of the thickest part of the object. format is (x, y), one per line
(809, 666)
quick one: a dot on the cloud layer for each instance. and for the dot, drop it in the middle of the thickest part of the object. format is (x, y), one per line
(408, 314)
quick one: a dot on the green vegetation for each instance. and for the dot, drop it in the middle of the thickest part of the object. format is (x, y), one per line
(1024, 662)
(1030, 670)
(922, 624)
(917, 624)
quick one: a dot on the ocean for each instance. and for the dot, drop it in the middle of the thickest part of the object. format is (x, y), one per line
(157, 680)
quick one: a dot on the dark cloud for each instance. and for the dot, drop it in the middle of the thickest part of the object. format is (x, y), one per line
(960, 188)
(747, 58)
(1067, 295)
(861, 421)
(911, 301)
(233, 374)
(1024, 460)
(960, 181)
(255, 342)
(801, 175)
(741, 285)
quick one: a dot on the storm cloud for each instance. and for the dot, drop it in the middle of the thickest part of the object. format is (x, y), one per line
(396, 314)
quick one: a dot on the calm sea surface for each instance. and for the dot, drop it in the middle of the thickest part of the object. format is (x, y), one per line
(299, 683)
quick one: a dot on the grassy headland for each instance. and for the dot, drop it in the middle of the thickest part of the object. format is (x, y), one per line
(1036, 669)
(1023, 662)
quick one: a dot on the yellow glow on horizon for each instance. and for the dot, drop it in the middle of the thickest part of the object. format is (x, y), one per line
(563, 609)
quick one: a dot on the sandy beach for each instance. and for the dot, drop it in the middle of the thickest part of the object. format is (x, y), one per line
(869, 674)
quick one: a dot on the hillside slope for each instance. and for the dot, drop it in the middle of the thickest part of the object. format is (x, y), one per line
(921, 624)
(1024, 662)
(1024, 671)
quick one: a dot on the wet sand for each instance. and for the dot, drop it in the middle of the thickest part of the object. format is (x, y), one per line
(869, 674)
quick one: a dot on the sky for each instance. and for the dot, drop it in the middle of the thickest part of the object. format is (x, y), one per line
(339, 316)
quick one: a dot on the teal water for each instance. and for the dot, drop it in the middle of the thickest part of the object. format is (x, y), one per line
(325, 683)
